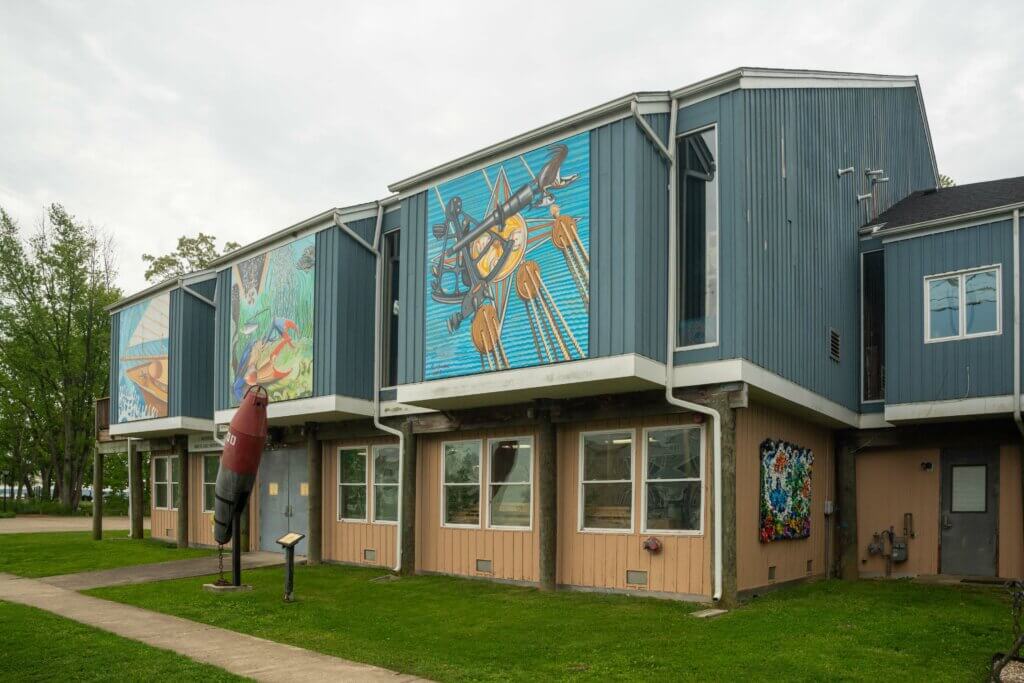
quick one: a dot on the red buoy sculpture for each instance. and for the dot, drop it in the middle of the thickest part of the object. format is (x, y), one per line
(243, 448)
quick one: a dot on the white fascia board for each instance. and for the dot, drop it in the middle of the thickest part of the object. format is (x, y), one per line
(315, 223)
(396, 409)
(945, 224)
(613, 374)
(162, 426)
(314, 409)
(945, 410)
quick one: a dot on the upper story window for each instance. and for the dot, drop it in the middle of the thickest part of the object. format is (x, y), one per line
(697, 296)
(872, 309)
(606, 481)
(962, 304)
(389, 316)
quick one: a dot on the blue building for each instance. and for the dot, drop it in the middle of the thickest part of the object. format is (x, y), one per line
(691, 343)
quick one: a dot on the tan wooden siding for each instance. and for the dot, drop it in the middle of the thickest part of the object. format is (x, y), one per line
(346, 541)
(601, 559)
(513, 554)
(1011, 514)
(889, 484)
(753, 558)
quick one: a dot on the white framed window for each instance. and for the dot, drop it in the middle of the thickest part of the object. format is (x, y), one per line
(166, 476)
(963, 304)
(673, 486)
(606, 481)
(460, 485)
(385, 484)
(353, 481)
(510, 483)
(211, 463)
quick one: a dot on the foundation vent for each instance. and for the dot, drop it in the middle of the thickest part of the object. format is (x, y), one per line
(810, 567)
(771, 573)
(369, 555)
(636, 578)
(833, 345)
(484, 566)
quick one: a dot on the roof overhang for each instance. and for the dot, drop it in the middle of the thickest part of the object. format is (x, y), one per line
(161, 426)
(160, 288)
(331, 408)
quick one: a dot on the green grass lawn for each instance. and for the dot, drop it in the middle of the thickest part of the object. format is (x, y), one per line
(38, 646)
(453, 629)
(49, 554)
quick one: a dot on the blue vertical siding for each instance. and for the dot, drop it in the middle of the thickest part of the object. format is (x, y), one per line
(412, 288)
(222, 347)
(955, 369)
(191, 364)
(174, 359)
(115, 334)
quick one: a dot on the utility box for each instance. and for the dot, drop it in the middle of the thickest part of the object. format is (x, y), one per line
(899, 549)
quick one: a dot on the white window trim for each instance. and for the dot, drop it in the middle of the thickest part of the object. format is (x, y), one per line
(371, 503)
(490, 482)
(366, 485)
(632, 483)
(205, 483)
(862, 399)
(644, 481)
(169, 483)
(718, 233)
(482, 512)
(961, 276)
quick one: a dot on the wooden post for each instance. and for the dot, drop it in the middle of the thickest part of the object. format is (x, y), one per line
(547, 496)
(408, 501)
(729, 536)
(314, 455)
(135, 489)
(181, 443)
(846, 510)
(97, 494)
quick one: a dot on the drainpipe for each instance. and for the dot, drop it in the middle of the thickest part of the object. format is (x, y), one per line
(378, 320)
(1016, 323)
(716, 417)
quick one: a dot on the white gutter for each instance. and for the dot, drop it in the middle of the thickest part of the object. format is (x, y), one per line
(377, 317)
(1016, 322)
(716, 417)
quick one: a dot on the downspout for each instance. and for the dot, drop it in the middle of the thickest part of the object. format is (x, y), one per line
(378, 320)
(716, 417)
(1016, 323)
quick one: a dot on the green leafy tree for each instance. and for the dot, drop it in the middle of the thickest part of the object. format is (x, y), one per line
(191, 254)
(55, 339)
(946, 181)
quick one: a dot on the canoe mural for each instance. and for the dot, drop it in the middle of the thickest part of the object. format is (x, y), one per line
(508, 263)
(142, 368)
(272, 322)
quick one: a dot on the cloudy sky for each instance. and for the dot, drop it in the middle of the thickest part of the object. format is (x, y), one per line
(156, 119)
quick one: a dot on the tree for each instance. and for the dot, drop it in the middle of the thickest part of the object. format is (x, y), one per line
(946, 181)
(192, 254)
(55, 339)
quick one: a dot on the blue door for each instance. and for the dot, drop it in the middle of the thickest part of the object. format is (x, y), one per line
(284, 497)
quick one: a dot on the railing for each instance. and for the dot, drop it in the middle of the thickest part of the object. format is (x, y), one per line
(102, 415)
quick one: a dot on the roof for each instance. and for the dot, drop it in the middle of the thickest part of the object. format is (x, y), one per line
(946, 203)
(168, 284)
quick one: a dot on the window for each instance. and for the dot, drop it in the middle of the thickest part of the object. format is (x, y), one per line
(510, 472)
(697, 283)
(606, 463)
(969, 488)
(962, 305)
(872, 308)
(165, 481)
(389, 299)
(211, 463)
(461, 499)
(352, 484)
(673, 479)
(385, 483)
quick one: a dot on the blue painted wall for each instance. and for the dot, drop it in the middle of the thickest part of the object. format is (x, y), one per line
(955, 369)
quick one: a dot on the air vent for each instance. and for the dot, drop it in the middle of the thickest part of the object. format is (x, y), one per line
(771, 573)
(833, 345)
(369, 555)
(810, 567)
(484, 566)
(636, 578)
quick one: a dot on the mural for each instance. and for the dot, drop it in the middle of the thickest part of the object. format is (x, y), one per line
(509, 263)
(142, 347)
(272, 322)
(785, 491)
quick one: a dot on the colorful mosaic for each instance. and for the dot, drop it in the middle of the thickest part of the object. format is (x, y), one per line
(785, 491)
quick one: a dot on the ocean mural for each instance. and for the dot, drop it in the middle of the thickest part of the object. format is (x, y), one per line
(785, 491)
(142, 367)
(272, 322)
(508, 263)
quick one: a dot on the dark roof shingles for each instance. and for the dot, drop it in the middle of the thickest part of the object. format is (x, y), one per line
(946, 202)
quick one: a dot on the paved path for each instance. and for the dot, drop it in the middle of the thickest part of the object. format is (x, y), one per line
(160, 571)
(240, 654)
(27, 524)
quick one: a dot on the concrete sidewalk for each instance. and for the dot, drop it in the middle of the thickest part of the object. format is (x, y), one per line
(30, 524)
(160, 571)
(240, 654)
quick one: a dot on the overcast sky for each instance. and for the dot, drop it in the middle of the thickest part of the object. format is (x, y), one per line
(156, 119)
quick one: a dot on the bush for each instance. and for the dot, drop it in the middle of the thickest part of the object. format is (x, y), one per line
(7, 515)
(35, 506)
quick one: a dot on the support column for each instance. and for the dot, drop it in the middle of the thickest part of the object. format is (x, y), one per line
(408, 501)
(314, 456)
(846, 510)
(729, 535)
(97, 494)
(181, 443)
(135, 488)
(547, 497)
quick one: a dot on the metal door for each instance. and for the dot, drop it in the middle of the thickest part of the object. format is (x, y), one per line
(970, 510)
(284, 497)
